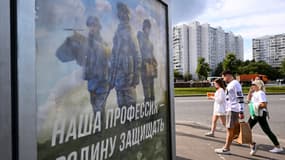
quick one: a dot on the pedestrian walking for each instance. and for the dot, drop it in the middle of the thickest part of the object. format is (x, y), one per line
(259, 114)
(234, 109)
(219, 111)
(261, 81)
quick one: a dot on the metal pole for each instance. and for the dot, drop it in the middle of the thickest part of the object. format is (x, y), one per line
(5, 82)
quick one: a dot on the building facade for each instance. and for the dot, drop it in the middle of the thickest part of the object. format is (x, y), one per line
(195, 47)
(270, 49)
(180, 48)
(194, 40)
(239, 47)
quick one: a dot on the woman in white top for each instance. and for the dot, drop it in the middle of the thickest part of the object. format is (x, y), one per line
(258, 99)
(219, 106)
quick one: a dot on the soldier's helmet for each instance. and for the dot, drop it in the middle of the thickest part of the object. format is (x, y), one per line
(123, 11)
(93, 21)
(146, 24)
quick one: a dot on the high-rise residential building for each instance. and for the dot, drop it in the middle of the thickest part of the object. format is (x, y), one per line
(181, 48)
(195, 47)
(208, 45)
(260, 49)
(239, 47)
(202, 41)
(270, 49)
(230, 42)
(221, 45)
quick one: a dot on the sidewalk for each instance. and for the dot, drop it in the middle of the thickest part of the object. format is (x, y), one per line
(245, 94)
(191, 144)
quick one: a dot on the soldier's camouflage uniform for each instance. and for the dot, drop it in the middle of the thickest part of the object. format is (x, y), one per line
(125, 62)
(93, 55)
(149, 66)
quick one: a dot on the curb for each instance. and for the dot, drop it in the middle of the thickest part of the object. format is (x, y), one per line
(200, 95)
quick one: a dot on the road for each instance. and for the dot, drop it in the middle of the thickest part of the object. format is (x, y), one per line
(199, 110)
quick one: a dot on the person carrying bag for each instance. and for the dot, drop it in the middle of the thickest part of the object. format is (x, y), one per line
(244, 135)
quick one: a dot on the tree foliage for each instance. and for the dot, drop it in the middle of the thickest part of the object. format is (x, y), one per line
(260, 67)
(250, 67)
(282, 68)
(219, 69)
(203, 69)
(177, 75)
(187, 76)
(231, 63)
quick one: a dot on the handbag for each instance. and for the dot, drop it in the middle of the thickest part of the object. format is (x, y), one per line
(251, 109)
(245, 134)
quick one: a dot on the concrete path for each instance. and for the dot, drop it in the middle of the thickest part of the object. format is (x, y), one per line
(191, 144)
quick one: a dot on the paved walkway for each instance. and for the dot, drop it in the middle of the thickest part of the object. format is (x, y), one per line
(191, 144)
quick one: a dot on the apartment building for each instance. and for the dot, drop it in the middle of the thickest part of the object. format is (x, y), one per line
(194, 40)
(270, 49)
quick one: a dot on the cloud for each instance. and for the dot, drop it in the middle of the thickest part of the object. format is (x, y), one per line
(218, 9)
(103, 6)
(254, 25)
(140, 15)
(250, 18)
(140, 11)
(63, 13)
(185, 10)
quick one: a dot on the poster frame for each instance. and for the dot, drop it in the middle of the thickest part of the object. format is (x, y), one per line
(5, 81)
(26, 108)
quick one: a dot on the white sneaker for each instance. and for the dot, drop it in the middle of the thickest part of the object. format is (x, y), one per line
(276, 150)
(253, 149)
(223, 151)
(210, 134)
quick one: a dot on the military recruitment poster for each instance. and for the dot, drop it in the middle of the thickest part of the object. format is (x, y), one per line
(102, 80)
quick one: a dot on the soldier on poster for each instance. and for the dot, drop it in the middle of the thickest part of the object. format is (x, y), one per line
(125, 59)
(93, 55)
(149, 63)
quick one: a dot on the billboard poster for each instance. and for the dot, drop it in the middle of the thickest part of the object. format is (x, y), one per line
(102, 83)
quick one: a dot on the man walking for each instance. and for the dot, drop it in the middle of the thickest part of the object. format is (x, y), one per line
(234, 108)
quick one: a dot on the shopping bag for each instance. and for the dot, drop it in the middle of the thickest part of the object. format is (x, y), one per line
(236, 131)
(245, 134)
(251, 109)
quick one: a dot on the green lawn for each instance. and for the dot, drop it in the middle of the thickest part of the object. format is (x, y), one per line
(204, 90)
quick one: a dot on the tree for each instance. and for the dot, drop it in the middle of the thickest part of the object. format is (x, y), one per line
(231, 63)
(250, 67)
(260, 67)
(203, 69)
(187, 76)
(282, 68)
(177, 74)
(219, 69)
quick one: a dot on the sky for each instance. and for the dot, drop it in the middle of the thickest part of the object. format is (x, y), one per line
(248, 18)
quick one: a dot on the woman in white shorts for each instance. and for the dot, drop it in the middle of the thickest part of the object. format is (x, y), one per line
(219, 106)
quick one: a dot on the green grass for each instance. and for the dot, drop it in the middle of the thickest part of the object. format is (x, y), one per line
(203, 91)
